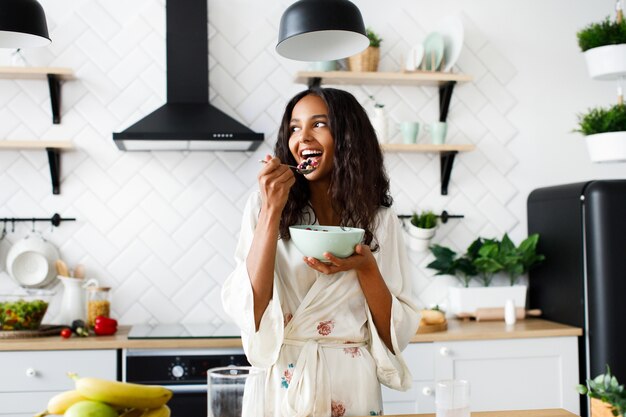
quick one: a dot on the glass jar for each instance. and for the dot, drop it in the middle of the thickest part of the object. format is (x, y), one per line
(98, 303)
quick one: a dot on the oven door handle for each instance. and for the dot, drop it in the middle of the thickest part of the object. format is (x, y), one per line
(197, 388)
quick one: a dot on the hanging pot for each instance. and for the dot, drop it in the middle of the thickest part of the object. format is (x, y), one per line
(30, 262)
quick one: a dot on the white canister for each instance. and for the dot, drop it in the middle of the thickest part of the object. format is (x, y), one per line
(379, 122)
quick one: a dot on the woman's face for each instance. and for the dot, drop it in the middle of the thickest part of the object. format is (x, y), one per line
(311, 136)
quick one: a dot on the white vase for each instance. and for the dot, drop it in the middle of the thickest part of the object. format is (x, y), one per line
(467, 300)
(606, 62)
(607, 147)
(379, 122)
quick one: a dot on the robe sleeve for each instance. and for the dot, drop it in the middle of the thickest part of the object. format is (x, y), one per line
(393, 264)
(263, 346)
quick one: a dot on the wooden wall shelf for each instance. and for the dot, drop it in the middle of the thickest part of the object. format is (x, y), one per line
(382, 78)
(53, 148)
(54, 75)
(425, 147)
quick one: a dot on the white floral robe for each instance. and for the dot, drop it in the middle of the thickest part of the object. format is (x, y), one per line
(317, 338)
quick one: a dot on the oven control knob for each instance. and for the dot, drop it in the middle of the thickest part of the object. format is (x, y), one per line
(178, 371)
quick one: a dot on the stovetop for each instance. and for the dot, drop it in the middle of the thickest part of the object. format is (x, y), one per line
(184, 331)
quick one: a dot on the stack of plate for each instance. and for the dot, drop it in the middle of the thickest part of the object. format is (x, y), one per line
(30, 262)
(440, 49)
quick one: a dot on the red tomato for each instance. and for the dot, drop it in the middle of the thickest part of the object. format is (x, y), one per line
(66, 333)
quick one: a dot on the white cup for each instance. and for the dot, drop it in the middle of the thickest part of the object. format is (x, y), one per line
(452, 398)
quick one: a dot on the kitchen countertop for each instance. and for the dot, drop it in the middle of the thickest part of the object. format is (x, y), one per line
(552, 412)
(457, 330)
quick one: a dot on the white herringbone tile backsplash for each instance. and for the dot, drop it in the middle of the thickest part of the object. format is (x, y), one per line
(161, 228)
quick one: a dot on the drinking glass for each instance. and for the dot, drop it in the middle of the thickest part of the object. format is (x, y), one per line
(452, 398)
(236, 391)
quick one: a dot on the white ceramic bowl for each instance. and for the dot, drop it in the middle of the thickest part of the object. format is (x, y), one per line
(313, 240)
(30, 262)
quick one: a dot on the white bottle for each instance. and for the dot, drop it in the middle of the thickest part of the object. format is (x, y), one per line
(509, 312)
(379, 121)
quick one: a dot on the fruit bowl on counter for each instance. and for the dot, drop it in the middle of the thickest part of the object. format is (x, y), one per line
(23, 311)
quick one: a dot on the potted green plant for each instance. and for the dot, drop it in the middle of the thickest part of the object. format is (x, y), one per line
(605, 133)
(369, 58)
(608, 397)
(447, 262)
(422, 230)
(483, 259)
(604, 47)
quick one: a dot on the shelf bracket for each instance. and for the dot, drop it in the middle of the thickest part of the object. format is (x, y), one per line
(315, 82)
(54, 159)
(445, 96)
(446, 160)
(54, 84)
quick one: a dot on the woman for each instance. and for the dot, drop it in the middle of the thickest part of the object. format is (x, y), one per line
(328, 333)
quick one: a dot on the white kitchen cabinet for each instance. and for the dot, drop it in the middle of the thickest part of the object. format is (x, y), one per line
(504, 374)
(29, 379)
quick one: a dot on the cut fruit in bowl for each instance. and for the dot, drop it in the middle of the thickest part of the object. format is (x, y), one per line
(314, 240)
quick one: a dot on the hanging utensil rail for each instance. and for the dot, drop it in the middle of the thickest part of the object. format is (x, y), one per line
(56, 219)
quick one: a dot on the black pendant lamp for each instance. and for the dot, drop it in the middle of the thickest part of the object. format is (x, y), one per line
(22, 24)
(321, 30)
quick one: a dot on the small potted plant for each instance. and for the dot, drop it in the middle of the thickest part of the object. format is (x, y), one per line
(604, 47)
(605, 133)
(461, 267)
(369, 58)
(422, 230)
(608, 397)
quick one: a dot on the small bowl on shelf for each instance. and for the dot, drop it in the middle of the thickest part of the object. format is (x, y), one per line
(23, 311)
(314, 240)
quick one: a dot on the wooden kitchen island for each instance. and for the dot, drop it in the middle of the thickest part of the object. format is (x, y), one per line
(552, 412)
(531, 365)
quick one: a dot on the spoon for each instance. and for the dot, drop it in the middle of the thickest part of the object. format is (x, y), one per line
(305, 167)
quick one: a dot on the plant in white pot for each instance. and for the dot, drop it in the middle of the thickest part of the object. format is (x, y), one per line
(605, 133)
(461, 267)
(604, 48)
(489, 257)
(422, 230)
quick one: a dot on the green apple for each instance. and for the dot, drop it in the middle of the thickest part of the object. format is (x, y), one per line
(89, 408)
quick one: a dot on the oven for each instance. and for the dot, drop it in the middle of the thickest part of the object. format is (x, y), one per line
(184, 371)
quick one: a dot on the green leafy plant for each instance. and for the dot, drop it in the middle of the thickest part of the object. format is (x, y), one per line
(425, 220)
(486, 257)
(602, 120)
(376, 103)
(448, 263)
(374, 38)
(605, 388)
(603, 33)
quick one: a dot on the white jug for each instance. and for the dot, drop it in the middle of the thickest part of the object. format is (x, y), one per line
(73, 302)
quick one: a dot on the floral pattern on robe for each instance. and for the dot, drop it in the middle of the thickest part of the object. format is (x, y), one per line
(317, 335)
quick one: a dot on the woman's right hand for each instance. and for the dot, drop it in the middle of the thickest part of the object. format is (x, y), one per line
(275, 181)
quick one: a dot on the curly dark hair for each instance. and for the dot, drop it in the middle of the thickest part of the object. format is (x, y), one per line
(359, 184)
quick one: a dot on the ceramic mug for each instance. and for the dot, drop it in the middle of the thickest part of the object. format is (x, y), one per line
(409, 130)
(438, 131)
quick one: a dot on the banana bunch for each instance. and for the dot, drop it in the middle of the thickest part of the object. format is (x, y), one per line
(103, 398)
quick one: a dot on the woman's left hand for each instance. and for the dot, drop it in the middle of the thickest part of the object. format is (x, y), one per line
(361, 261)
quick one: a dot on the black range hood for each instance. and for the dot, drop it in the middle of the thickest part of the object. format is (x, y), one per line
(187, 121)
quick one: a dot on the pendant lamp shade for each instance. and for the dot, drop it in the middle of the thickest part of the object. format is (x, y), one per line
(321, 30)
(22, 24)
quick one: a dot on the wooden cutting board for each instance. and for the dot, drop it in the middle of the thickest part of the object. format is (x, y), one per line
(43, 330)
(431, 328)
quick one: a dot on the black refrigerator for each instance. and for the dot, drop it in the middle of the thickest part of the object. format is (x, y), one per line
(582, 282)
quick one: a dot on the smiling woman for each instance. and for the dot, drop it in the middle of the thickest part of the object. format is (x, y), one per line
(329, 331)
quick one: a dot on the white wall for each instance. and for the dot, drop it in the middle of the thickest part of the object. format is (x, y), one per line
(160, 228)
